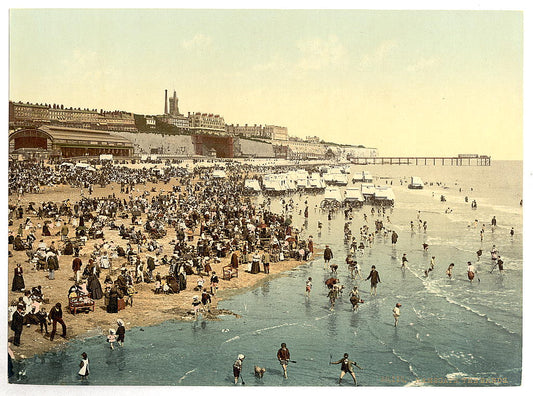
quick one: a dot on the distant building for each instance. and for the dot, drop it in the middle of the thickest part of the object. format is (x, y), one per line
(173, 116)
(312, 139)
(271, 132)
(204, 123)
(58, 141)
(27, 115)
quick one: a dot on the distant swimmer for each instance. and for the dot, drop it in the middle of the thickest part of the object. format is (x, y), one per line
(328, 255)
(351, 264)
(346, 367)
(493, 221)
(355, 299)
(332, 295)
(499, 264)
(449, 270)
(308, 286)
(479, 253)
(431, 266)
(404, 261)
(512, 231)
(394, 237)
(425, 247)
(471, 272)
(396, 313)
(357, 270)
(494, 253)
(374, 280)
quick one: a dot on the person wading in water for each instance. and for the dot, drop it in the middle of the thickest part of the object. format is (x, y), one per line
(346, 367)
(283, 356)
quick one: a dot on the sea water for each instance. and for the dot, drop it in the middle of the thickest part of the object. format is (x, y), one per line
(451, 332)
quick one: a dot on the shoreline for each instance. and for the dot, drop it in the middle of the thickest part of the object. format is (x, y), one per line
(148, 308)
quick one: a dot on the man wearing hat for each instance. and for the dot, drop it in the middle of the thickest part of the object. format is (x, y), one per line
(396, 313)
(56, 316)
(328, 255)
(17, 324)
(237, 367)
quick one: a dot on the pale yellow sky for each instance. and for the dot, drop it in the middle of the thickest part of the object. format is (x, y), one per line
(406, 82)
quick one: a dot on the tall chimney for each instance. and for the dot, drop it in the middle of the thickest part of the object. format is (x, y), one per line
(175, 105)
(166, 102)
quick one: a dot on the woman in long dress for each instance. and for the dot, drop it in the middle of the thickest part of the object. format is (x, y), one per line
(112, 306)
(18, 279)
(94, 286)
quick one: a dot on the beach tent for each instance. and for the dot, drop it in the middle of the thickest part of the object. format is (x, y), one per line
(353, 196)
(219, 174)
(252, 185)
(332, 194)
(368, 190)
(106, 157)
(416, 183)
(384, 195)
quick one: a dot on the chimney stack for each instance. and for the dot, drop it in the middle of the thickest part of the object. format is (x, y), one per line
(166, 102)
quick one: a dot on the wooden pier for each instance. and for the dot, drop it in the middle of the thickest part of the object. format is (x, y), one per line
(482, 160)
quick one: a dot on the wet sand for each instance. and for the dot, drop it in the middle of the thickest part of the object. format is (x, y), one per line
(148, 308)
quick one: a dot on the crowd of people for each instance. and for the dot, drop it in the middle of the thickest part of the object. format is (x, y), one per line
(161, 238)
(171, 240)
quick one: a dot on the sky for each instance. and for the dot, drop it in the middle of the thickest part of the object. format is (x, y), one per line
(418, 83)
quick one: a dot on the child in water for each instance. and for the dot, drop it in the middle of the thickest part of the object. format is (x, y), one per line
(449, 270)
(111, 338)
(308, 286)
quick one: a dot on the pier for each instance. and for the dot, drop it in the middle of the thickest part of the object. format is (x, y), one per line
(470, 160)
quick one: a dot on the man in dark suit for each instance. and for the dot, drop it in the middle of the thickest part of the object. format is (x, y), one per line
(56, 315)
(17, 324)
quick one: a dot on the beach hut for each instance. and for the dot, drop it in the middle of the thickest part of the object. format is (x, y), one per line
(334, 176)
(416, 183)
(332, 198)
(316, 183)
(252, 186)
(357, 177)
(353, 197)
(384, 196)
(369, 191)
(219, 174)
(367, 177)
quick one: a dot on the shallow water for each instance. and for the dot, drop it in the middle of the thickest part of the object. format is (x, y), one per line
(449, 330)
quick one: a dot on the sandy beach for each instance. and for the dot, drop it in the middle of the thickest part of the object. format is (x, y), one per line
(148, 308)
